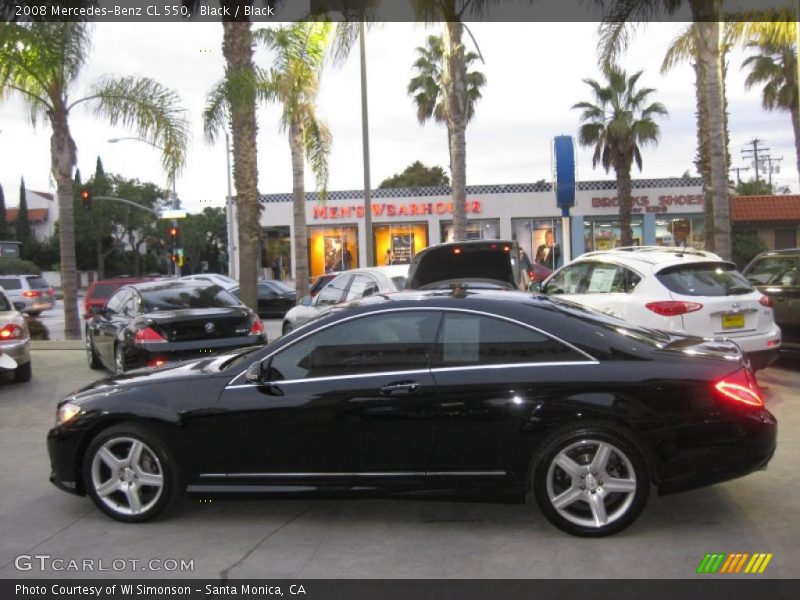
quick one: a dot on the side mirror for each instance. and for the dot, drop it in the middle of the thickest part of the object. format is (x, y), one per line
(255, 373)
(306, 301)
(19, 305)
(535, 286)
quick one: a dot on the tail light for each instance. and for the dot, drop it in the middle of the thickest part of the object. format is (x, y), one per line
(148, 335)
(11, 332)
(765, 301)
(740, 387)
(157, 362)
(257, 328)
(673, 308)
(32, 293)
(456, 250)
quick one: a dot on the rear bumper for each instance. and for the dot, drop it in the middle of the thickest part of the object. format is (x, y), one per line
(19, 351)
(143, 354)
(763, 358)
(36, 304)
(757, 342)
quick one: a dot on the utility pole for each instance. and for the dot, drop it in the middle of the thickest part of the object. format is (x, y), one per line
(738, 169)
(773, 169)
(753, 152)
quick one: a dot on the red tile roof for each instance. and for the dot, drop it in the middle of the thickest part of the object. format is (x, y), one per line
(765, 208)
(35, 215)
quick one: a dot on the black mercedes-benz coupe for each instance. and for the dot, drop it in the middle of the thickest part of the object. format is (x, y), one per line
(150, 324)
(432, 393)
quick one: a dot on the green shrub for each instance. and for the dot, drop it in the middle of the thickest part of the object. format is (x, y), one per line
(18, 266)
(746, 246)
(38, 330)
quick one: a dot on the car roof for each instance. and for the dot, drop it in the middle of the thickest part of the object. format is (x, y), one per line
(656, 257)
(168, 284)
(784, 252)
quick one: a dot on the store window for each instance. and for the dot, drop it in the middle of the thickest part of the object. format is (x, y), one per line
(396, 244)
(276, 251)
(540, 239)
(332, 249)
(681, 231)
(605, 233)
(477, 229)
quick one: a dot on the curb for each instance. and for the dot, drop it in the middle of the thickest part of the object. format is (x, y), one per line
(57, 345)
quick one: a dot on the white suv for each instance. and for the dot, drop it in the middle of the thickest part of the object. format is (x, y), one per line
(676, 290)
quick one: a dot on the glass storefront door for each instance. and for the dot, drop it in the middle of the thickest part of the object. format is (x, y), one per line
(604, 233)
(540, 240)
(680, 231)
(333, 248)
(477, 229)
(396, 244)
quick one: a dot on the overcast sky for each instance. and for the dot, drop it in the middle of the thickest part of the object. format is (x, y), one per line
(534, 73)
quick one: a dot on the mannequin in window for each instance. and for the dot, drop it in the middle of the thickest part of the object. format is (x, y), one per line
(549, 253)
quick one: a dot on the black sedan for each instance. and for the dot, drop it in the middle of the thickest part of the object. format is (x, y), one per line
(274, 298)
(149, 324)
(431, 393)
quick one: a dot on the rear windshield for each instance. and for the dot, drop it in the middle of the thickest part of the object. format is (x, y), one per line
(176, 298)
(4, 304)
(38, 283)
(281, 287)
(775, 270)
(103, 290)
(705, 279)
(10, 283)
(464, 262)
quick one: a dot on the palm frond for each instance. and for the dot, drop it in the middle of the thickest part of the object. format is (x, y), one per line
(216, 114)
(318, 142)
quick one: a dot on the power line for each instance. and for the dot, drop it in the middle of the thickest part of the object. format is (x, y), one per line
(753, 151)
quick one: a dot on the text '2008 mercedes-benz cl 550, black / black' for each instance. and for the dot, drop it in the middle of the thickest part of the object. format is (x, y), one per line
(436, 392)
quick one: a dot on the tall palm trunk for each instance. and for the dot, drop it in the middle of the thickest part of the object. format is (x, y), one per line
(796, 128)
(296, 139)
(703, 163)
(454, 77)
(622, 167)
(63, 157)
(706, 15)
(237, 47)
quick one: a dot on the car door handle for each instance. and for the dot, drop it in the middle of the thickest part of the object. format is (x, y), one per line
(402, 388)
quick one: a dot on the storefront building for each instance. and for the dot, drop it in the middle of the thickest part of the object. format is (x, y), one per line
(406, 220)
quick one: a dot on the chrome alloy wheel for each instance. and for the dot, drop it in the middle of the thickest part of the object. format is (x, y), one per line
(127, 476)
(591, 483)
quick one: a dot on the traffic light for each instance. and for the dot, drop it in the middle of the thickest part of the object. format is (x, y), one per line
(173, 233)
(174, 258)
(86, 198)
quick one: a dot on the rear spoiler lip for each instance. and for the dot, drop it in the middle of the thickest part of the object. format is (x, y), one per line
(722, 349)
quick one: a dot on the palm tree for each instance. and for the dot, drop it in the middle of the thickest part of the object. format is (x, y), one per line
(427, 87)
(775, 68)
(41, 62)
(293, 82)
(706, 17)
(617, 124)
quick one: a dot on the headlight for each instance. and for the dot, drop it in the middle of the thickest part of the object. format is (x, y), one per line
(67, 412)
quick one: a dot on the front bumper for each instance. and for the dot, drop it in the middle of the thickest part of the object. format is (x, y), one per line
(20, 351)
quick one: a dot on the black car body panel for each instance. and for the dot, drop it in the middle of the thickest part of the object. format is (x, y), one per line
(178, 333)
(776, 274)
(437, 427)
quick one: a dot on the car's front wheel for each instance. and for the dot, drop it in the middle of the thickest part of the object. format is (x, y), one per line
(130, 473)
(590, 480)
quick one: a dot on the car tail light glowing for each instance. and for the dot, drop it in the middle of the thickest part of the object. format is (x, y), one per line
(147, 335)
(765, 301)
(457, 251)
(673, 308)
(157, 362)
(507, 248)
(257, 328)
(32, 293)
(741, 387)
(10, 332)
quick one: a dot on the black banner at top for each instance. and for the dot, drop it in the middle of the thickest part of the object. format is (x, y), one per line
(262, 11)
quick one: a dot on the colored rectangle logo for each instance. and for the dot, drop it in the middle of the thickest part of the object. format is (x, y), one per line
(732, 563)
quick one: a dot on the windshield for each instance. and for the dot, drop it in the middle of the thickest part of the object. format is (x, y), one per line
(5, 305)
(775, 270)
(103, 290)
(280, 286)
(180, 297)
(705, 279)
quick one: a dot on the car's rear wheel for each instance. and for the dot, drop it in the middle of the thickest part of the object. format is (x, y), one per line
(23, 373)
(130, 473)
(91, 354)
(287, 328)
(590, 480)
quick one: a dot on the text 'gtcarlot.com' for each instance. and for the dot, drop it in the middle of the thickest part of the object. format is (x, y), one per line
(46, 562)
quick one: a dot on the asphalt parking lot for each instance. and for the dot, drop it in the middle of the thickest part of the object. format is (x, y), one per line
(382, 538)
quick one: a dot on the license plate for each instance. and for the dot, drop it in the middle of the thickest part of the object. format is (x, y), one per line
(733, 321)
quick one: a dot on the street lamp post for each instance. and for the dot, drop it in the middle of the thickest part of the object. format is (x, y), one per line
(175, 201)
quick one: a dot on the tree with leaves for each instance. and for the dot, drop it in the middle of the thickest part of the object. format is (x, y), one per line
(427, 86)
(5, 230)
(616, 124)
(41, 63)
(417, 175)
(298, 52)
(22, 226)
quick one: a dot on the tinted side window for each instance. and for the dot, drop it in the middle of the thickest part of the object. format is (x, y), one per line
(362, 286)
(611, 279)
(386, 342)
(10, 283)
(333, 293)
(775, 270)
(471, 340)
(568, 280)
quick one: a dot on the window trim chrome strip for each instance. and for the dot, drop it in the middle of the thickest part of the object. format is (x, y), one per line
(591, 359)
(490, 473)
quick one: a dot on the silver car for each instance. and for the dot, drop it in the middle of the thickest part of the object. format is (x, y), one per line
(347, 286)
(31, 293)
(15, 342)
